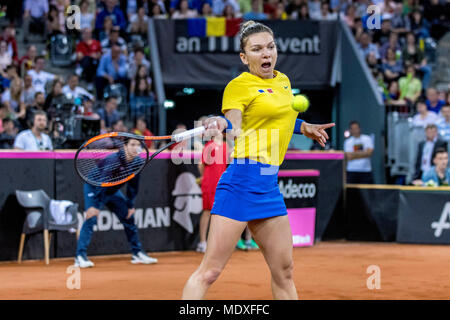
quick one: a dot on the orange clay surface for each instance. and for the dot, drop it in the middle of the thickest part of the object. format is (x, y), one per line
(328, 270)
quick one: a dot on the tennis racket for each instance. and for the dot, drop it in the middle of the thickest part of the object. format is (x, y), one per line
(114, 158)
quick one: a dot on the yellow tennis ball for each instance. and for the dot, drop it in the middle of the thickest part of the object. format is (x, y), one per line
(300, 103)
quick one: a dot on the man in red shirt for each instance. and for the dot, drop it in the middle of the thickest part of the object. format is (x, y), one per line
(88, 52)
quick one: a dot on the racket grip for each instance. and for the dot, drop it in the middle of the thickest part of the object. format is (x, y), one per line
(190, 133)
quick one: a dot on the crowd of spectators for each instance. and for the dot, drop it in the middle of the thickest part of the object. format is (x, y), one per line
(110, 49)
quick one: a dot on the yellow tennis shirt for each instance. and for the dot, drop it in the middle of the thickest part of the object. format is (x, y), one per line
(267, 117)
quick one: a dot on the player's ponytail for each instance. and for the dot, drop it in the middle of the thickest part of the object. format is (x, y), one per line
(251, 27)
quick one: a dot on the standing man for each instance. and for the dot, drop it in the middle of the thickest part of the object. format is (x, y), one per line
(426, 152)
(95, 198)
(358, 149)
(35, 139)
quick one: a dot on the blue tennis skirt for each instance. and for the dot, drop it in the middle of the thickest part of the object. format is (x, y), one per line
(248, 190)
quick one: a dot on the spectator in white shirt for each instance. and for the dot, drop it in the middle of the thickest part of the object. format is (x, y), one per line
(325, 13)
(358, 149)
(39, 76)
(424, 117)
(34, 139)
(183, 11)
(72, 91)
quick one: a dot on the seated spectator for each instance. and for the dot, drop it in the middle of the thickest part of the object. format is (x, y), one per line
(9, 35)
(114, 39)
(111, 10)
(444, 123)
(108, 114)
(35, 16)
(5, 57)
(119, 126)
(141, 99)
(137, 59)
(437, 12)
(255, 13)
(400, 22)
(433, 102)
(393, 96)
(366, 46)
(28, 90)
(26, 63)
(228, 12)
(140, 129)
(414, 55)
(293, 6)
(88, 109)
(72, 91)
(50, 103)
(35, 139)
(270, 8)
(5, 79)
(419, 25)
(424, 117)
(112, 69)
(104, 33)
(358, 29)
(426, 151)
(39, 76)
(439, 174)
(12, 98)
(381, 36)
(8, 134)
(87, 18)
(373, 64)
(314, 8)
(54, 25)
(303, 13)
(325, 12)
(183, 11)
(391, 44)
(410, 85)
(139, 22)
(280, 13)
(392, 68)
(350, 16)
(157, 12)
(88, 52)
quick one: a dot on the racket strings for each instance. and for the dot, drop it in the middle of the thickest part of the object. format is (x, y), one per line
(105, 160)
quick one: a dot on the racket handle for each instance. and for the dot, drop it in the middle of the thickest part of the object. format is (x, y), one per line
(190, 133)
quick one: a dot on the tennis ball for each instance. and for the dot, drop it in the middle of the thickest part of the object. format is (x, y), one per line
(300, 103)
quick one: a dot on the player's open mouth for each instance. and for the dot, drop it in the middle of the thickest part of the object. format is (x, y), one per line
(266, 65)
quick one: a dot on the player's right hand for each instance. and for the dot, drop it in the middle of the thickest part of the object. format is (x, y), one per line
(214, 126)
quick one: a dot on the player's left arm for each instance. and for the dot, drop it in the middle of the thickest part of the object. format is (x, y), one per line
(316, 131)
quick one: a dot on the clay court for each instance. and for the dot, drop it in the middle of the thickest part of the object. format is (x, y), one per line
(329, 270)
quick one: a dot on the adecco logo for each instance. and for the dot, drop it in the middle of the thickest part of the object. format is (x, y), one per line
(293, 191)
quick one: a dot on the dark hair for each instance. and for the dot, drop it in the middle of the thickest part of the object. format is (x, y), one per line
(439, 150)
(251, 27)
(431, 126)
(354, 122)
(39, 113)
(6, 120)
(39, 57)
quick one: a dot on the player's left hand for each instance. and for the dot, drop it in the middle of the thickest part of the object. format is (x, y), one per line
(130, 212)
(316, 131)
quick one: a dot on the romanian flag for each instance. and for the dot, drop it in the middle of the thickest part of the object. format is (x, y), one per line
(210, 27)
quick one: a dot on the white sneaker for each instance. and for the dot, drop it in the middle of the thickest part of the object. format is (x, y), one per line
(141, 257)
(201, 247)
(83, 262)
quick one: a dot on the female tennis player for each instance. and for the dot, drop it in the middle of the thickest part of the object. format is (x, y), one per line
(257, 105)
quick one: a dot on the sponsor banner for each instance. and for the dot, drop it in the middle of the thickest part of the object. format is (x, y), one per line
(424, 217)
(188, 55)
(299, 189)
(168, 205)
(302, 221)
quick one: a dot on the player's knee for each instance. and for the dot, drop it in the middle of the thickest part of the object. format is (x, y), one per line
(284, 271)
(210, 275)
